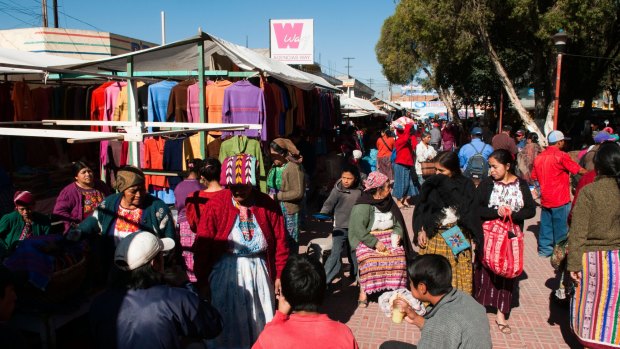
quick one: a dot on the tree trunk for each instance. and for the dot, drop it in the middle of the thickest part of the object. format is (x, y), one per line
(510, 90)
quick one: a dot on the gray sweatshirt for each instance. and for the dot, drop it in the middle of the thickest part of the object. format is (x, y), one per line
(457, 321)
(340, 202)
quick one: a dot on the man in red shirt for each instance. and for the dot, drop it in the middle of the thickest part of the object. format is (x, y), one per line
(551, 169)
(297, 323)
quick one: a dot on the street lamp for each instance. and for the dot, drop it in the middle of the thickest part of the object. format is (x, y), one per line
(559, 40)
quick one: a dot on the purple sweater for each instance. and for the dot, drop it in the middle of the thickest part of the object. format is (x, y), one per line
(245, 103)
(68, 207)
(181, 192)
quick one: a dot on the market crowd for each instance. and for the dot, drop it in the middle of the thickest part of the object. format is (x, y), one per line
(222, 267)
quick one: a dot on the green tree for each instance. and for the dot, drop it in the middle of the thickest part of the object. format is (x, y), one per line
(443, 37)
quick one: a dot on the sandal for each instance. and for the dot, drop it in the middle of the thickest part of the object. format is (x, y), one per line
(505, 329)
(362, 303)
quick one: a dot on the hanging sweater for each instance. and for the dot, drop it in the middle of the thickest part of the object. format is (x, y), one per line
(159, 95)
(244, 145)
(245, 103)
(214, 99)
(177, 104)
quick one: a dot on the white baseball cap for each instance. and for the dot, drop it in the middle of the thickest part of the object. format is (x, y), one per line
(139, 248)
(556, 136)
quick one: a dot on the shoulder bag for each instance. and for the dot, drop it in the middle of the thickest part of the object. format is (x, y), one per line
(503, 247)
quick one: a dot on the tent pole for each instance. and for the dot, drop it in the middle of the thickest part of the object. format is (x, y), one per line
(201, 93)
(132, 105)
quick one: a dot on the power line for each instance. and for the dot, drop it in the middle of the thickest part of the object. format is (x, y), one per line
(74, 18)
(348, 64)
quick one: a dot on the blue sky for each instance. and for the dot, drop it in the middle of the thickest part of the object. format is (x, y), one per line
(342, 28)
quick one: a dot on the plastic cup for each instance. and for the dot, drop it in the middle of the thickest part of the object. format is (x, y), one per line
(397, 316)
(395, 239)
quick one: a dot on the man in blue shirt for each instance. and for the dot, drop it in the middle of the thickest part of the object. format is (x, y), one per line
(475, 146)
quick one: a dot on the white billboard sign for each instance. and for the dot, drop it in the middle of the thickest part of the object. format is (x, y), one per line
(292, 40)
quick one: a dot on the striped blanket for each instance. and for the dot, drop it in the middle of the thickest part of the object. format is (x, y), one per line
(381, 271)
(595, 310)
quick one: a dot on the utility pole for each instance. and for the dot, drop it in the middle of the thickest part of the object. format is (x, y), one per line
(370, 82)
(348, 65)
(55, 8)
(44, 12)
(390, 87)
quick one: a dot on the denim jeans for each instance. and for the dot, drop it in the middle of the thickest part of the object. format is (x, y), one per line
(553, 228)
(334, 261)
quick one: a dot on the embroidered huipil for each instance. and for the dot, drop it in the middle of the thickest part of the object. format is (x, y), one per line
(245, 103)
(506, 195)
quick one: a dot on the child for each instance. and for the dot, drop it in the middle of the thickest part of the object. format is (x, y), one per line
(340, 201)
(297, 322)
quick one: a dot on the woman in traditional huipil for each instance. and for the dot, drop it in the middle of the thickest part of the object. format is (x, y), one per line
(594, 254)
(239, 253)
(376, 236)
(500, 195)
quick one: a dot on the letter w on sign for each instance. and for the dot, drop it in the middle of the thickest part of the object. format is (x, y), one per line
(288, 35)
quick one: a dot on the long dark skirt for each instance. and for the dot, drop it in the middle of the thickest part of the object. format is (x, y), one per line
(492, 290)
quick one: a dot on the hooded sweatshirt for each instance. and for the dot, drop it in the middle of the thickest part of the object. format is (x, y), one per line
(340, 202)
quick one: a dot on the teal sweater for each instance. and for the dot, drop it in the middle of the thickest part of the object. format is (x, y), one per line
(156, 217)
(12, 224)
(360, 224)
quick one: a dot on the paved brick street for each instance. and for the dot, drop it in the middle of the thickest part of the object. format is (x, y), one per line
(535, 322)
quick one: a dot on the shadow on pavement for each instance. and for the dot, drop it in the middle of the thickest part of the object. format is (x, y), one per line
(341, 303)
(559, 313)
(396, 345)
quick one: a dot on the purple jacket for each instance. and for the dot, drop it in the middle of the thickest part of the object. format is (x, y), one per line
(68, 207)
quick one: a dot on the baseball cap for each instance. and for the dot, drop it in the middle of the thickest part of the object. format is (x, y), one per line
(556, 136)
(603, 136)
(476, 131)
(139, 248)
(520, 132)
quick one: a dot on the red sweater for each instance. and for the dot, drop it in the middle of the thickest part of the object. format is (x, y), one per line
(305, 331)
(405, 153)
(213, 230)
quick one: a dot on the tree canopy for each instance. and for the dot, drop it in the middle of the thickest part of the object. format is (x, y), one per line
(474, 48)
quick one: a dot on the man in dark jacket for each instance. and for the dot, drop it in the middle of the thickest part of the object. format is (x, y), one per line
(139, 310)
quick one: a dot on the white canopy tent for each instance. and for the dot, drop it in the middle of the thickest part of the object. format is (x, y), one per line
(357, 107)
(10, 58)
(219, 57)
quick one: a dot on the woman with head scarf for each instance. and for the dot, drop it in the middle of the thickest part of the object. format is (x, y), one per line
(21, 223)
(239, 253)
(377, 237)
(132, 209)
(79, 199)
(286, 184)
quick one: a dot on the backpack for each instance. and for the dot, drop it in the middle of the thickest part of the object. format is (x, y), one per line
(477, 166)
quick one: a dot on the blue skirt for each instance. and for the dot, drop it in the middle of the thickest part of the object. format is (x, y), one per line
(403, 184)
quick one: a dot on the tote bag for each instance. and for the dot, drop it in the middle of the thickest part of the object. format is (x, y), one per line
(503, 247)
